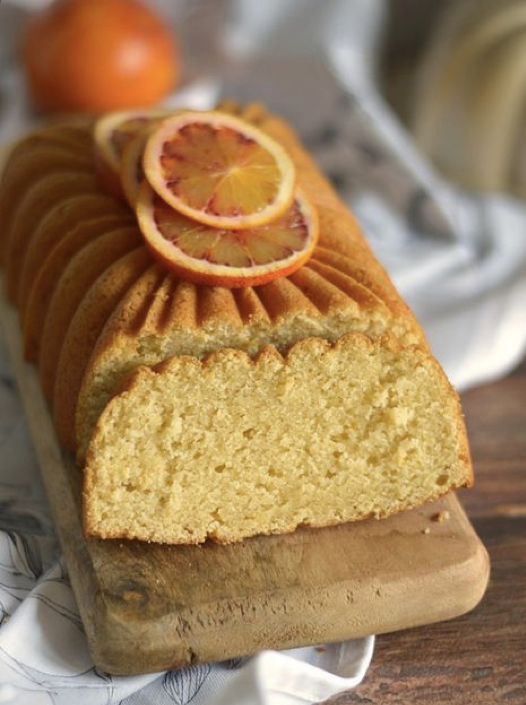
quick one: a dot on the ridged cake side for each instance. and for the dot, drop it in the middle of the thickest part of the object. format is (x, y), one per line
(49, 274)
(40, 155)
(78, 279)
(85, 327)
(66, 218)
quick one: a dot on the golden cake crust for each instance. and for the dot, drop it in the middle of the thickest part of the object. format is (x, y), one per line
(59, 222)
(42, 197)
(75, 281)
(41, 153)
(83, 331)
(50, 272)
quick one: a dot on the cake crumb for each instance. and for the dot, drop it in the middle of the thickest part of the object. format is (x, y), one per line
(427, 530)
(441, 516)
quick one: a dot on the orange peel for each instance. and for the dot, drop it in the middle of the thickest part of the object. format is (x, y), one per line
(223, 257)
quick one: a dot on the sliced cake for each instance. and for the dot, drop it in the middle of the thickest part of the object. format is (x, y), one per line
(203, 400)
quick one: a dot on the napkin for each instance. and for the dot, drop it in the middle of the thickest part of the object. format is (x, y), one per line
(459, 258)
(43, 651)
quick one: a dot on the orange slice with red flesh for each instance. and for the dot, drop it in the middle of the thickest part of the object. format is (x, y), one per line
(219, 170)
(131, 170)
(112, 133)
(225, 257)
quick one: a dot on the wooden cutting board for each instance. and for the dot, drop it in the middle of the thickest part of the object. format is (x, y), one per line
(150, 607)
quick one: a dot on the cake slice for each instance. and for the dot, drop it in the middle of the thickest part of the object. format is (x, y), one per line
(231, 446)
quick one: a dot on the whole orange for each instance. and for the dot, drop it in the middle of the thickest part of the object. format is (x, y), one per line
(99, 55)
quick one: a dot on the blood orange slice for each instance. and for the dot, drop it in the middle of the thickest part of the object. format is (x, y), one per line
(219, 170)
(131, 170)
(112, 133)
(225, 257)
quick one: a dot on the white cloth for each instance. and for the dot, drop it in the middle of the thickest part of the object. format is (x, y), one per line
(458, 258)
(43, 651)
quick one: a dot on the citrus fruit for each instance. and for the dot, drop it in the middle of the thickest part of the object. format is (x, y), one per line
(131, 170)
(99, 55)
(219, 170)
(224, 257)
(112, 134)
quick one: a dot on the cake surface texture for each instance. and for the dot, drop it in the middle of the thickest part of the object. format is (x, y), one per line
(323, 435)
(206, 412)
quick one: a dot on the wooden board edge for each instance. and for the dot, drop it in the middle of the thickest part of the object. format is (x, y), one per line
(336, 617)
(106, 630)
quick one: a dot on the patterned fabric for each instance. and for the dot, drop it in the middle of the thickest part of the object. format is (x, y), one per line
(43, 651)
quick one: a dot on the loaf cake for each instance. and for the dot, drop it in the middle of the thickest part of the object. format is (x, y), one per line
(206, 412)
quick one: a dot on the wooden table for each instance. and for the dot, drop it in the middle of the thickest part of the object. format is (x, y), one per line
(480, 658)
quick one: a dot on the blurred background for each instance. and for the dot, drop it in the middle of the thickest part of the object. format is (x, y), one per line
(456, 76)
(452, 71)
(415, 110)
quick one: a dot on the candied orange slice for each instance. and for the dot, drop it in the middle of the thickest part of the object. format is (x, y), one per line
(225, 257)
(219, 170)
(112, 133)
